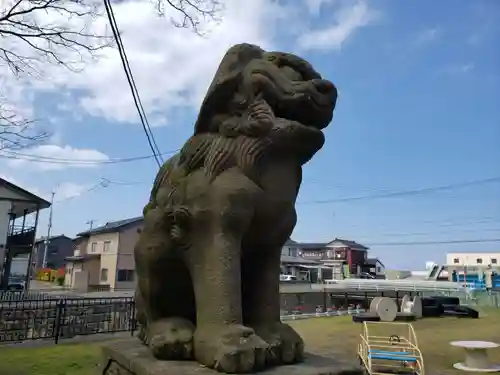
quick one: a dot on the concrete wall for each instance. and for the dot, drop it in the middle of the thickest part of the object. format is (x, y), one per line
(93, 267)
(127, 240)
(116, 252)
(105, 244)
(80, 245)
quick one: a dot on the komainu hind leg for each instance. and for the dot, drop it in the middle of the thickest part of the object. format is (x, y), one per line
(165, 298)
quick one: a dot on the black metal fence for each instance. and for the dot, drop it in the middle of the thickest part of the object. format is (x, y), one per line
(17, 295)
(41, 316)
(57, 319)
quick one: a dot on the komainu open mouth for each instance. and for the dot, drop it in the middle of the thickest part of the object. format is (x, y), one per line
(294, 89)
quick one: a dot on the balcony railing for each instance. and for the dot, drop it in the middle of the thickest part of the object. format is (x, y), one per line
(21, 236)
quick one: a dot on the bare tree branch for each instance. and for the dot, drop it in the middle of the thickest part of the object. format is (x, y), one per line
(16, 132)
(192, 12)
(48, 31)
(36, 33)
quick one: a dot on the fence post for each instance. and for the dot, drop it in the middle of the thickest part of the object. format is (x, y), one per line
(133, 320)
(60, 307)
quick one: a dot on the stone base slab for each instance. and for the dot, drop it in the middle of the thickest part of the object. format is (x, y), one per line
(131, 357)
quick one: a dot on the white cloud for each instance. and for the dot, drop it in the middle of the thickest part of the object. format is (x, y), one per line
(172, 67)
(459, 68)
(54, 157)
(348, 18)
(428, 35)
(315, 6)
(63, 191)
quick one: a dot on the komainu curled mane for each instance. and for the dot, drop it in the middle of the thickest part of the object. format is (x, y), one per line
(208, 258)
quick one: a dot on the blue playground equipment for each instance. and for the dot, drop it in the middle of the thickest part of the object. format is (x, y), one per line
(475, 280)
(382, 355)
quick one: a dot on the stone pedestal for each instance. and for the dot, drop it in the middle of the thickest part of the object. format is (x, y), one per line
(130, 357)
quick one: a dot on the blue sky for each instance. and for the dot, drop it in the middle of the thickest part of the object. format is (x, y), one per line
(419, 87)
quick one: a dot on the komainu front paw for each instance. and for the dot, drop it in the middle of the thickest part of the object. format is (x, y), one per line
(171, 339)
(285, 344)
(232, 349)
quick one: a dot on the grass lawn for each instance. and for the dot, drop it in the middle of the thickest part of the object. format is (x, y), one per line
(335, 335)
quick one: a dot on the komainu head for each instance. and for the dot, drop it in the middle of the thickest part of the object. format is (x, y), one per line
(274, 96)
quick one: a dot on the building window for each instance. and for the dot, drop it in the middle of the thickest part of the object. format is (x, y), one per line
(494, 261)
(479, 261)
(104, 274)
(125, 275)
(107, 245)
(456, 261)
(93, 247)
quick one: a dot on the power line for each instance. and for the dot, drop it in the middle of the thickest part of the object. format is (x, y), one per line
(406, 192)
(86, 191)
(439, 223)
(403, 235)
(374, 196)
(434, 242)
(125, 183)
(103, 183)
(131, 81)
(54, 160)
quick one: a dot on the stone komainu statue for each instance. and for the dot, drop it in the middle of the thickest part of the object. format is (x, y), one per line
(208, 258)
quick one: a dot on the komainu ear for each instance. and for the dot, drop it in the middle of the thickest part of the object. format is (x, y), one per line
(225, 83)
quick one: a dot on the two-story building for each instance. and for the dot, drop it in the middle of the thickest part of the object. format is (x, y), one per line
(55, 250)
(293, 264)
(291, 248)
(346, 258)
(18, 222)
(103, 257)
(473, 259)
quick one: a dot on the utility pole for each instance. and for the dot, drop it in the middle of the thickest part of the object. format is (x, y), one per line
(90, 223)
(49, 228)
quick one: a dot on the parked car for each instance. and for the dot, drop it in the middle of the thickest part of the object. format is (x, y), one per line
(288, 278)
(16, 284)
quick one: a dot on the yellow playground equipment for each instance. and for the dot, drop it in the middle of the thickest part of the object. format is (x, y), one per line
(392, 353)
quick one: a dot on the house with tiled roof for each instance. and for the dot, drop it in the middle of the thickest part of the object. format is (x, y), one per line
(103, 257)
(346, 257)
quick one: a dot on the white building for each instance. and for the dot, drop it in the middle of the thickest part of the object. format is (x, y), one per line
(473, 259)
(18, 221)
